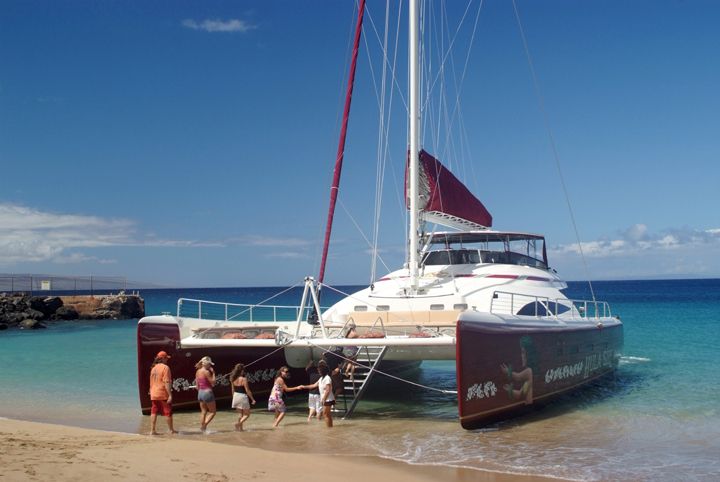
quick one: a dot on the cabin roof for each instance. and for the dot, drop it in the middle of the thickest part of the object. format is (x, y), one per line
(478, 236)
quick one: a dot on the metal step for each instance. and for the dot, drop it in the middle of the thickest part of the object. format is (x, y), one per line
(353, 387)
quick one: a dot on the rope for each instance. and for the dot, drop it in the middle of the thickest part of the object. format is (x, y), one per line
(446, 392)
(265, 356)
(546, 119)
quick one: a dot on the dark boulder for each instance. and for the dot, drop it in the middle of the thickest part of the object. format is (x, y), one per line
(46, 305)
(132, 307)
(34, 314)
(65, 313)
(14, 318)
(53, 303)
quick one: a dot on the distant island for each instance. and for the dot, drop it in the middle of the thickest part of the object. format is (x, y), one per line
(32, 312)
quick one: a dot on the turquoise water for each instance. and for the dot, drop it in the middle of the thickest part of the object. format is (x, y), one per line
(658, 419)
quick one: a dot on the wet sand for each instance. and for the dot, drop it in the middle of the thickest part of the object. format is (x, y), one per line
(39, 451)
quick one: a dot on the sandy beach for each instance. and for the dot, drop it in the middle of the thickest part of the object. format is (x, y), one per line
(38, 451)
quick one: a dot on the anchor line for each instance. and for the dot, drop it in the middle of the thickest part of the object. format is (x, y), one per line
(446, 392)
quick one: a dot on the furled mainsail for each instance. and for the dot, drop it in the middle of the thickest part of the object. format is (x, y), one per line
(445, 200)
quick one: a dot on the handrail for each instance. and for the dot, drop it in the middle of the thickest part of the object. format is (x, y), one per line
(239, 312)
(505, 302)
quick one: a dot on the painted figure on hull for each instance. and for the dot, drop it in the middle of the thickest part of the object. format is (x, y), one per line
(520, 383)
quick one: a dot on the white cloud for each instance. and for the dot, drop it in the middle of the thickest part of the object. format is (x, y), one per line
(638, 239)
(31, 235)
(217, 25)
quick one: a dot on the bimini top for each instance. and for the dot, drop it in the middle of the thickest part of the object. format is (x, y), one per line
(483, 236)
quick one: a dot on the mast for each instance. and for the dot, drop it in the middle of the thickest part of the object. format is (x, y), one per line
(341, 143)
(414, 140)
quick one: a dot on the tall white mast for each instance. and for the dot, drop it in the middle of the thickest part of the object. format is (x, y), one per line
(414, 133)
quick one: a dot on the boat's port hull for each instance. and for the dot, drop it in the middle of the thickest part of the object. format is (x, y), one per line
(505, 369)
(262, 358)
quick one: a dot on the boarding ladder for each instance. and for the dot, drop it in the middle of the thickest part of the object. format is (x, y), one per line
(366, 362)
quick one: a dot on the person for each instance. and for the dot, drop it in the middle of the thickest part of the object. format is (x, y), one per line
(351, 352)
(161, 391)
(333, 359)
(315, 409)
(327, 397)
(276, 402)
(324, 386)
(241, 395)
(524, 377)
(204, 381)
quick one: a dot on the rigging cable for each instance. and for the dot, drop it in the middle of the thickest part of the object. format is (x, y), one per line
(541, 102)
(446, 392)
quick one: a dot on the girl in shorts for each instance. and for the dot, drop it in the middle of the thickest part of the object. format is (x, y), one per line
(204, 381)
(241, 394)
(327, 397)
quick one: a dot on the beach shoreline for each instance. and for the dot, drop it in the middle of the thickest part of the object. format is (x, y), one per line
(42, 451)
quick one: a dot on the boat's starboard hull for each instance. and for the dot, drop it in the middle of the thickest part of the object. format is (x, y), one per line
(504, 369)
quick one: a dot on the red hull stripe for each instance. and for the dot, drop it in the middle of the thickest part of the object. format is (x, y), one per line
(503, 276)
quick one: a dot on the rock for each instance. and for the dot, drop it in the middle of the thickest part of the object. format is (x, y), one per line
(36, 303)
(101, 314)
(34, 314)
(132, 307)
(30, 324)
(46, 305)
(66, 313)
(3, 326)
(14, 318)
(53, 303)
(112, 303)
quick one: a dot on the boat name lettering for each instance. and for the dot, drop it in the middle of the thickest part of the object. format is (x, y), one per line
(481, 390)
(183, 385)
(563, 372)
(599, 360)
(262, 375)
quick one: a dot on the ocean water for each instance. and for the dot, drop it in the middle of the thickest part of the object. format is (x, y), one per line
(657, 419)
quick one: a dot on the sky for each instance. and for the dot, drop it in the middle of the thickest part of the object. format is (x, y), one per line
(187, 143)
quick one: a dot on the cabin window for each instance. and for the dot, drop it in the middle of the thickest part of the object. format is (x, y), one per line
(460, 306)
(360, 308)
(452, 256)
(383, 307)
(475, 248)
(537, 308)
(437, 307)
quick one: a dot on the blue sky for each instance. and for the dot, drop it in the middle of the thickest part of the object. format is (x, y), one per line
(189, 143)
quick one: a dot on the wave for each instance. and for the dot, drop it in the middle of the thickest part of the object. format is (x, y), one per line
(633, 359)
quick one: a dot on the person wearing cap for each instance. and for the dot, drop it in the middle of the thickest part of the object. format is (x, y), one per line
(161, 392)
(204, 381)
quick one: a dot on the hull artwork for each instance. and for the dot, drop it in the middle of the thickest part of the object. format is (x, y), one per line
(155, 337)
(502, 370)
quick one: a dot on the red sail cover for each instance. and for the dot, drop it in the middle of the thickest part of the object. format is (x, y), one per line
(445, 200)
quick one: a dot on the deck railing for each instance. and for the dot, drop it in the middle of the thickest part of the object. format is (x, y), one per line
(507, 303)
(214, 310)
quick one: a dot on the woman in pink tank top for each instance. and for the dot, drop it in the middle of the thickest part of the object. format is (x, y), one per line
(204, 381)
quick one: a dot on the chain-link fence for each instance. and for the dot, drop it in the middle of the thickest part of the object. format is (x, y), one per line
(39, 284)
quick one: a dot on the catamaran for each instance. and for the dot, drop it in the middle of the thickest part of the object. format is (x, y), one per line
(486, 299)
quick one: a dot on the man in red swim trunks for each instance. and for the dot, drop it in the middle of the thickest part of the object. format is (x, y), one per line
(161, 391)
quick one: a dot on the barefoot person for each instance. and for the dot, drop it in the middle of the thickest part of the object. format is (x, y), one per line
(241, 395)
(327, 397)
(161, 392)
(276, 402)
(205, 380)
(314, 407)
